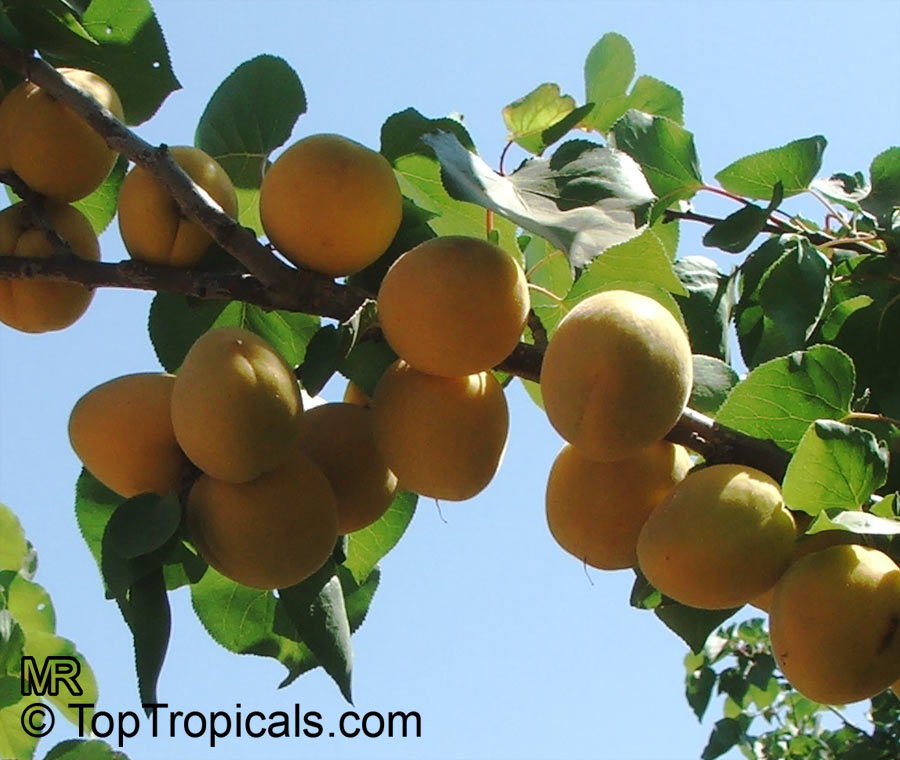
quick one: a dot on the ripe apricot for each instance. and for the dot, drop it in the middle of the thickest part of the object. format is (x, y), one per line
(835, 624)
(453, 305)
(35, 306)
(150, 222)
(721, 537)
(9, 107)
(122, 432)
(595, 510)
(51, 147)
(442, 436)
(340, 439)
(235, 405)
(330, 204)
(272, 532)
(616, 374)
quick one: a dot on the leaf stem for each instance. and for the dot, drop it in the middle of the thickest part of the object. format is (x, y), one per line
(868, 416)
(500, 169)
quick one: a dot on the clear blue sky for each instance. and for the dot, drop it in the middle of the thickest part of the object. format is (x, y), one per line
(482, 623)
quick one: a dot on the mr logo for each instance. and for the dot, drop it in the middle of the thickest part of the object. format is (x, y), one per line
(46, 680)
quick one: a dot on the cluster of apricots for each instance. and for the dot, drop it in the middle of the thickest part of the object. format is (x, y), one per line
(278, 484)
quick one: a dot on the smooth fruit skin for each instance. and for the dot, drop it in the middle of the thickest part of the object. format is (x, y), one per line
(616, 374)
(595, 510)
(442, 437)
(330, 204)
(835, 624)
(9, 108)
(150, 222)
(235, 405)
(340, 439)
(453, 306)
(272, 532)
(42, 306)
(122, 432)
(52, 148)
(721, 538)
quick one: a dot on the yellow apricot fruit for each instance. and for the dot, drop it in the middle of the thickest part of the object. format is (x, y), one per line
(595, 510)
(340, 439)
(122, 433)
(807, 545)
(36, 306)
(353, 394)
(52, 148)
(835, 624)
(272, 532)
(235, 405)
(721, 538)
(442, 436)
(150, 221)
(453, 306)
(616, 374)
(9, 107)
(330, 204)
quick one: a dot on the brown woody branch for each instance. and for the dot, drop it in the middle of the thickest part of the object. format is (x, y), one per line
(272, 284)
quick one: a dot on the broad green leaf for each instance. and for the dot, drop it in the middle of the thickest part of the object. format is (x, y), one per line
(176, 322)
(583, 199)
(144, 523)
(367, 546)
(41, 645)
(12, 643)
(366, 363)
(13, 546)
(50, 25)
(725, 734)
(528, 117)
(94, 506)
(835, 466)
(131, 55)
(565, 125)
(737, 230)
(846, 189)
(793, 165)
(713, 381)
(655, 97)
(781, 398)
(885, 175)
(84, 749)
(15, 744)
(843, 310)
(100, 206)
(317, 610)
(889, 506)
(692, 625)
(708, 305)
(586, 286)
(10, 689)
(549, 269)
(644, 596)
(30, 605)
(665, 150)
(249, 115)
(698, 689)
(854, 521)
(608, 70)
(733, 683)
(331, 345)
(146, 610)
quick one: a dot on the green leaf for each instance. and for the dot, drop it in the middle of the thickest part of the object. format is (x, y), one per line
(144, 523)
(249, 115)
(725, 734)
(585, 287)
(528, 117)
(708, 305)
(176, 322)
(846, 189)
(547, 268)
(12, 644)
(84, 749)
(565, 125)
(656, 97)
(889, 506)
(608, 70)
(366, 547)
(853, 521)
(885, 176)
(835, 466)
(10, 689)
(366, 363)
(692, 625)
(737, 230)
(841, 312)
(146, 610)
(13, 547)
(713, 381)
(781, 398)
(644, 596)
(30, 606)
(94, 506)
(698, 689)
(583, 199)
(15, 744)
(316, 609)
(666, 153)
(50, 25)
(41, 645)
(793, 165)
(101, 205)
(131, 55)
(327, 349)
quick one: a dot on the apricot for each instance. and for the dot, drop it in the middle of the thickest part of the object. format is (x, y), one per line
(235, 405)
(442, 436)
(340, 439)
(595, 510)
(122, 432)
(616, 374)
(9, 107)
(36, 306)
(835, 624)
(51, 147)
(330, 204)
(721, 538)
(453, 306)
(150, 221)
(272, 532)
